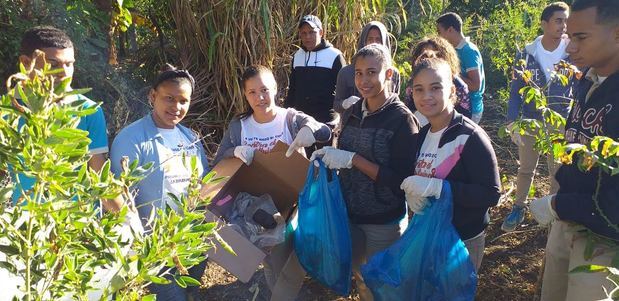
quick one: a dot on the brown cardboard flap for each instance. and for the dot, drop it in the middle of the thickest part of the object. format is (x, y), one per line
(251, 256)
(272, 173)
(225, 168)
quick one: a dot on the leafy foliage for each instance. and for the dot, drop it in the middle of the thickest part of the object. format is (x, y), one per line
(56, 240)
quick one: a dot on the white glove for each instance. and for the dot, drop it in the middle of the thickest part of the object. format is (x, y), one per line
(515, 135)
(542, 210)
(348, 102)
(416, 203)
(334, 158)
(304, 138)
(422, 186)
(245, 153)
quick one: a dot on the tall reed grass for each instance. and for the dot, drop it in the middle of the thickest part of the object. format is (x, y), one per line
(217, 39)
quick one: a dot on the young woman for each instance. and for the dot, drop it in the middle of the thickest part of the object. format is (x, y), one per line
(440, 48)
(452, 148)
(374, 154)
(373, 32)
(259, 129)
(159, 138)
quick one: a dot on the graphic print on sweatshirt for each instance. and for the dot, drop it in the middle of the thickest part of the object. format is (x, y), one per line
(175, 157)
(435, 162)
(264, 136)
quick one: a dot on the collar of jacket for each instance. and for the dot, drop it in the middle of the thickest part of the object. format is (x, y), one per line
(456, 120)
(389, 102)
(323, 44)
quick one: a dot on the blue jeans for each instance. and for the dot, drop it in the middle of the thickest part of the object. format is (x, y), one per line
(172, 291)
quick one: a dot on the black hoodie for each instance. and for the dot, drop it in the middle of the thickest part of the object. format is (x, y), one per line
(311, 87)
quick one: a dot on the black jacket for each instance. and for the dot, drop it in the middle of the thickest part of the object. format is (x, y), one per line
(311, 87)
(387, 137)
(472, 171)
(597, 117)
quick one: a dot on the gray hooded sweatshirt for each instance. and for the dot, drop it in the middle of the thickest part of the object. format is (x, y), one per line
(345, 86)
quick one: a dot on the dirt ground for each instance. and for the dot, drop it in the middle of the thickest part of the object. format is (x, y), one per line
(510, 268)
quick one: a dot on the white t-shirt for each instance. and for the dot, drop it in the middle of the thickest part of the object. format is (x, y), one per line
(428, 159)
(548, 59)
(176, 172)
(264, 136)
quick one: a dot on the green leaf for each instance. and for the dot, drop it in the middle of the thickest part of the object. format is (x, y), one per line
(157, 279)
(189, 281)
(589, 269)
(105, 171)
(9, 250)
(203, 228)
(151, 297)
(62, 87)
(180, 281)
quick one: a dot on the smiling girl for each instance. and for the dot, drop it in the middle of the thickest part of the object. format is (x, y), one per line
(160, 138)
(374, 154)
(259, 129)
(452, 148)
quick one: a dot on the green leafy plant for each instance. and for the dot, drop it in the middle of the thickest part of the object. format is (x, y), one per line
(55, 240)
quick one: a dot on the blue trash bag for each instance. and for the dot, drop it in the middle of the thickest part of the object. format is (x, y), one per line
(429, 261)
(322, 237)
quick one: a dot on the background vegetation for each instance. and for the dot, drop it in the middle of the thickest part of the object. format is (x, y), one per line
(121, 45)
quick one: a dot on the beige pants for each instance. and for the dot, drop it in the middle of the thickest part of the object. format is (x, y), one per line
(529, 158)
(283, 271)
(476, 246)
(564, 252)
(368, 240)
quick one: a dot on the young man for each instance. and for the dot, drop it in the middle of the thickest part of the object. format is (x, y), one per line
(346, 94)
(593, 27)
(540, 56)
(449, 27)
(314, 73)
(60, 53)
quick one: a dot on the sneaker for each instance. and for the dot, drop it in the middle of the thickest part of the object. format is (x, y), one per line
(514, 218)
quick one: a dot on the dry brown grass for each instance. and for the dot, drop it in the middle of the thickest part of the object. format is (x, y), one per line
(217, 39)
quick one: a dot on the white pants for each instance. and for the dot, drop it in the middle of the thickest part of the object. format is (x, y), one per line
(564, 252)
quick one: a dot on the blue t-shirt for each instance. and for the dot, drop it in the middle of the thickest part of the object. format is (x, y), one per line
(94, 124)
(470, 59)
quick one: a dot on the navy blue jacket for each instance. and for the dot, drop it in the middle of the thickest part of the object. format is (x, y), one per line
(557, 95)
(472, 171)
(597, 117)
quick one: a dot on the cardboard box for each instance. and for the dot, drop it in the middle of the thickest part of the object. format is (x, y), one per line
(272, 173)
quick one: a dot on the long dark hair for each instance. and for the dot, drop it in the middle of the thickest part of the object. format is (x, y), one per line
(250, 72)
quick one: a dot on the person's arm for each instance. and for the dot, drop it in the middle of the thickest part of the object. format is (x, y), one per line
(580, 207)
(227, 145)
(123, 147)
(472, 79)
(402, 155)
(482, 187)
(514, 104)
(472, 64)
(97, 133)
(321, 131)
(96, 163)
(341, 89)
(367, 167)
